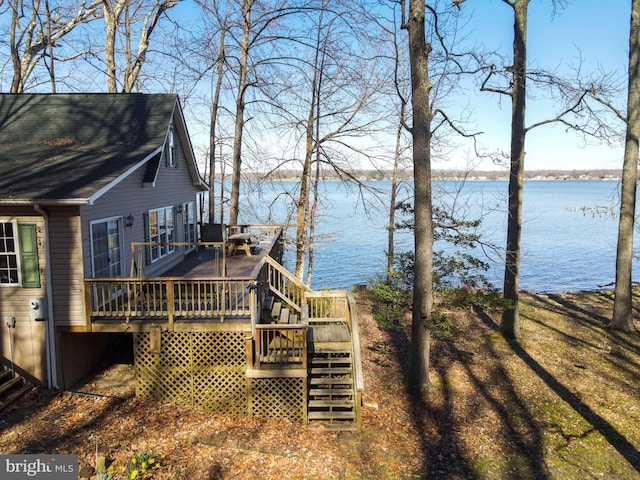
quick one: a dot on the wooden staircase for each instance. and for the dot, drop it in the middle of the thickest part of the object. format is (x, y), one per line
(332, 395)
(334, 376)
(12, 387)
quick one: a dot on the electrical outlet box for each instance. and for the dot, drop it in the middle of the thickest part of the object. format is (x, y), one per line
(10, 322)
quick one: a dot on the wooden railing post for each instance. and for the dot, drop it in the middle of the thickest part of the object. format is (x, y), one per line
(88, 308)
(170, 303)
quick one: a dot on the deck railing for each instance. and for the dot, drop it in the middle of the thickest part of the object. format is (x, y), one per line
(285, 285)
(330, 306)
(358, 372)
(168, 298)
(339, 306)
(281, 346)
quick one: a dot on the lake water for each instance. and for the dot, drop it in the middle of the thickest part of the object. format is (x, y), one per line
(568, 234)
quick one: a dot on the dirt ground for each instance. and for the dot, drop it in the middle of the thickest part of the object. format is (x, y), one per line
(565, 403)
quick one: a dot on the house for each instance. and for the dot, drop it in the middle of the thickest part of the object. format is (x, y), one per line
(99, 240)
(83, 176)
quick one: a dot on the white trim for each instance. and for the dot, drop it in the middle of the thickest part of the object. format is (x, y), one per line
(170, 249)
(170, 142)
(51, 348)
(187, 147)
(16, 252)
(185, 224)
(44, 202)
(100, 192)
(120, 221)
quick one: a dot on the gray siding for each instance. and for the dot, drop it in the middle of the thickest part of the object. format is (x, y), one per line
(174, 186)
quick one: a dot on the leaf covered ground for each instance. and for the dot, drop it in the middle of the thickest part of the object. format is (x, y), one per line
(563, 404)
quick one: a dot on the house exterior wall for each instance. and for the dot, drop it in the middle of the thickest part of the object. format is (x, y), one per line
(79, 352)
(24, 343)
(61, 235)
(173, 187)
(66, 266)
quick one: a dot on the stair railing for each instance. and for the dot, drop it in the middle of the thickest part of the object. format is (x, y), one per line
(358, 381)
(285, 285)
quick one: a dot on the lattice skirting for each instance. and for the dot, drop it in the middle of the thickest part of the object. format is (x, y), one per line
(207, 370)
(278, 398)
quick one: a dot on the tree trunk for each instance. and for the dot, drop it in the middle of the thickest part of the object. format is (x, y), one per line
(16, 82)
(302, 207)
(134, 64)
(212, 129)
(419, 50)
(112, 12)
(303, 213)
(622, 306)
(239, 125)
(312, 217)
(511, 317)
(392, 202)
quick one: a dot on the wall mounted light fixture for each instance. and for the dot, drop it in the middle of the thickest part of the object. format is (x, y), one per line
(129, 221)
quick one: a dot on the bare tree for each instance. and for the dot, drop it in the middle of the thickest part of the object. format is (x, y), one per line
(511, 316)
(517, 91)
(36, 29)
(121, 17)
(399, 86)
(212, 128)
(419, 51)
(575, 113)
(622, 306)
(326, 100)
(243, 67)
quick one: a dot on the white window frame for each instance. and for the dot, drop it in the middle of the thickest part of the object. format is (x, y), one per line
(171, 153)
(190, 233)
(4, 251)
(164, 233)
(120, 222)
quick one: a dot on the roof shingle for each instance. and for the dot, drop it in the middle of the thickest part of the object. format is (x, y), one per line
(68, 146)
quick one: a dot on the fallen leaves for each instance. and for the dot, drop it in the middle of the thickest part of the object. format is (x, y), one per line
(489, 415)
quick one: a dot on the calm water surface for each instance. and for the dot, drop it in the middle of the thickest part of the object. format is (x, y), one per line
(568, 233)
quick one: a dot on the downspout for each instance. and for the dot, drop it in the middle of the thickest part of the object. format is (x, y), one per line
(51, 353)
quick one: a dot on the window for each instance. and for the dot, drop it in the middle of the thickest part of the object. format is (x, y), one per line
(105, 248)
(9, 268)
(161, 232)
(189, 223)
(19, 255)
(171, 156)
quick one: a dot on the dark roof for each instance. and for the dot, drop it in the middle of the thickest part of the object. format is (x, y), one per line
(56, 147)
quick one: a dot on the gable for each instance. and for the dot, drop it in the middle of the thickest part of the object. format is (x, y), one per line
(73, 147)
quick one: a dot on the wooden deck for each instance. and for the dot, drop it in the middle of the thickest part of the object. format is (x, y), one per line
(216, 311)
(328, 338)
(202, 264)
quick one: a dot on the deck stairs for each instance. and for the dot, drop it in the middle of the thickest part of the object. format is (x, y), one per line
(12, 387)
(332, 396)
(332, 390)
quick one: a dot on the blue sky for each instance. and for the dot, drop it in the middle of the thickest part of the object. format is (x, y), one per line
(596, 30)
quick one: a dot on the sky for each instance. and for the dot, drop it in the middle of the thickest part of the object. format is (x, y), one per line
(595, 30)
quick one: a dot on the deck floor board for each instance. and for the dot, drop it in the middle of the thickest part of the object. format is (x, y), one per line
(329, 333)
(201, 264)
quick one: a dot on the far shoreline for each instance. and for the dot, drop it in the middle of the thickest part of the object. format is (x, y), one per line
(444, 175)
